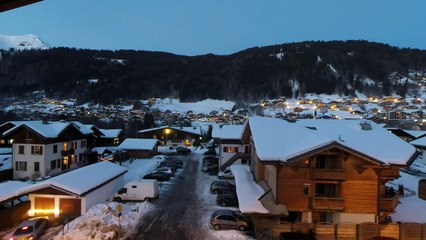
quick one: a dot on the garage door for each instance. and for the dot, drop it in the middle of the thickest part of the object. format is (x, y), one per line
(70, 207)
(44, 203)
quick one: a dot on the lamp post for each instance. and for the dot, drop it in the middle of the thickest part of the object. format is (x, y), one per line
(167, 131)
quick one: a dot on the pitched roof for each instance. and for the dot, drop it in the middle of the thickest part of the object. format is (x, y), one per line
(228, 132)
(193, 130)
(110, 133)
(138, 144)
(81, 180)
(419, 142)
(279, 140)
(8, 189)
(49, 129)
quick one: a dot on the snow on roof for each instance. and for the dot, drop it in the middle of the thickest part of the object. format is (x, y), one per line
(419, 142)
(83, 128)
(138, 144)
(279, 140)
(81, 180)
(194, 130)
(110, 133)
(248, 191)
(416, 134)
(9, 189)
(228, 132)
(50, 129)
(377, 143)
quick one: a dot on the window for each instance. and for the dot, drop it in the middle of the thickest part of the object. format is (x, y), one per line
(55, 148)
(53, 164)
(21, 149)
(36, 150)
(83, 143)
(21, 166)
(134, 186)
(36, 167)
(58, 163)
(74, 145)
(306, 189)
(230, 149)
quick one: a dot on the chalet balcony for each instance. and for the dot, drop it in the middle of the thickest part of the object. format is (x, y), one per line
(68, 152)
(388, 203)
(328, 174)
(390, 173)
(328, 203)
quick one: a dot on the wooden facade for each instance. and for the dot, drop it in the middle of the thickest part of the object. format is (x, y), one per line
(330, 183)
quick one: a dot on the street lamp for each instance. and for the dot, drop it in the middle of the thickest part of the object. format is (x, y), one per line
(167, 131)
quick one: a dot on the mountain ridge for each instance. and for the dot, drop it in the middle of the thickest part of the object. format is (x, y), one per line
(290, 70)
(22, 42)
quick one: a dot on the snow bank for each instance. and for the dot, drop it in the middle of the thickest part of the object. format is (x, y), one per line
(102, 222)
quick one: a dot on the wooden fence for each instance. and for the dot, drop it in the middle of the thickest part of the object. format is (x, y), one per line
(348, 231)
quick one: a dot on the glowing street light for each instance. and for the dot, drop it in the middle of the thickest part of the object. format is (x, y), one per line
(167, 131)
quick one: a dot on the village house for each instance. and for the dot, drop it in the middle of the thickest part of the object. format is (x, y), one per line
(139, 148)
(234, 147)
(41, 148)
(174, 136)
(110, 137)
(323, 171)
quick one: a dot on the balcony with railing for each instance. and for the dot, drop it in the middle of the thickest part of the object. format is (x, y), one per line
(328, 174)
(328, 203)
(68, 152)
(388, 203)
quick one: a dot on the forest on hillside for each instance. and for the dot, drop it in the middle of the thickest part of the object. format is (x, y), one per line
(290, 70)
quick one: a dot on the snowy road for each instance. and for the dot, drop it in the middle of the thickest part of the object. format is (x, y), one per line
(174, 216)
(183, 210)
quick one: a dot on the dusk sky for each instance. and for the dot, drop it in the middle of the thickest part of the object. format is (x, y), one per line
(193, 27)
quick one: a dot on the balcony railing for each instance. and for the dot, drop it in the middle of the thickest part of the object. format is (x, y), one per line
(328, 174)
(326, 203)
(388, 203)
(68, 152)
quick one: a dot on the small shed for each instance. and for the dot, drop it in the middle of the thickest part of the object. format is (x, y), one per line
(140, 147)
(73, 193)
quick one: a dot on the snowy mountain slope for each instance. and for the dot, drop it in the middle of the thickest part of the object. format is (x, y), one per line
(22, 42)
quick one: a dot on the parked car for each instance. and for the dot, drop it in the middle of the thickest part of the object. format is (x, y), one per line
(183, 150)
(30, 229)
(210, 160)
(178, 162)
(171, 165)
(228, 219)
(227, 173)
(227, 199)
(210, 152)
(207, 167)
(166, 170)
(221, 186)
(159, 176)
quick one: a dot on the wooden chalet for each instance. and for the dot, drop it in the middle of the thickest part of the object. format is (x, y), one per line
(325, 171)
(174, 136)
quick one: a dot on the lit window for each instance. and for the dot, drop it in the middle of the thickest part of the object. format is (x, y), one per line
(36, 150)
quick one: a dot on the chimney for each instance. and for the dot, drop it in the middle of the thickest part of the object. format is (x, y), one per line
(365, 125)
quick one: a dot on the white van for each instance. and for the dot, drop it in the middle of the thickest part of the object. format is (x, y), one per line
(145, 189)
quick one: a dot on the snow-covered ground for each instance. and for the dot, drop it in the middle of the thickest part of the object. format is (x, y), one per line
(205, 106)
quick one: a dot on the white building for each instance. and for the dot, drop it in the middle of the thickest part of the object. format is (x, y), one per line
(42, 148)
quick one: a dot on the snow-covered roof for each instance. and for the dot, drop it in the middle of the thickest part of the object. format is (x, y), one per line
(50, 129)
(193, 130)
(419, 142)
(416, 134)
(81, 180)
(228, 132)
(138, 144)
(248, 191)
(279, 140)
(110, 133)
(9, 189)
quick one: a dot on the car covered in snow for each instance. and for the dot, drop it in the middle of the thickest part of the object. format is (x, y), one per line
(183, 150)
(227, 173)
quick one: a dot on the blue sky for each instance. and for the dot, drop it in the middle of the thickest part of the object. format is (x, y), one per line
(192, 27)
